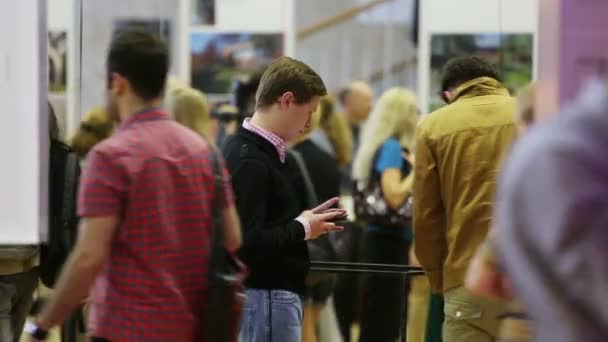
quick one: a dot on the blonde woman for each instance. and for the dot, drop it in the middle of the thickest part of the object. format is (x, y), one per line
(190, 108)
(95, 126)
(384, 157)
(333, 134)
(324, 175)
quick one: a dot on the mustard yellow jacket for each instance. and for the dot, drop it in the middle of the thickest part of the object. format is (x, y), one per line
(459, 150)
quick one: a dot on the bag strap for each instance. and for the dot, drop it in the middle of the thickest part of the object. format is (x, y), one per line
(216, 213)
(311, 194)
(68, 205)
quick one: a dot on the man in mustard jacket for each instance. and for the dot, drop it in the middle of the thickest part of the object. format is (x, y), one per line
(458, 155)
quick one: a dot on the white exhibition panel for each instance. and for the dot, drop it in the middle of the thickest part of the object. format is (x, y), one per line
(23, 123)
(98, 21)
(471, 16)
(86, 90)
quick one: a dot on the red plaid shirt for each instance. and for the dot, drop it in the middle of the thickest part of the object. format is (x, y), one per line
(157, 177)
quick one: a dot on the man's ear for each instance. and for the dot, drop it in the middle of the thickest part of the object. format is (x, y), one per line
(447, 96)
(286, 99)
(118, 84)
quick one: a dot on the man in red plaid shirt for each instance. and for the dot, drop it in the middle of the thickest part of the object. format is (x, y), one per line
(146, 202)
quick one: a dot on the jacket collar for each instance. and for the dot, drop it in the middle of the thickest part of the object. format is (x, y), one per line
(480, 86)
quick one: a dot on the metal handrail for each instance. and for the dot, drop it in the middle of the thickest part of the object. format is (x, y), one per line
(351, 267)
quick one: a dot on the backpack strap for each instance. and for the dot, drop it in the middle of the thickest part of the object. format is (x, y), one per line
(69, 217)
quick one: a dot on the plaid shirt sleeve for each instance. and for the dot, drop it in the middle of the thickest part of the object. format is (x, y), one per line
(102, 187)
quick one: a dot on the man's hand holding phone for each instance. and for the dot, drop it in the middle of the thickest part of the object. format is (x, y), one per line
(323, 220)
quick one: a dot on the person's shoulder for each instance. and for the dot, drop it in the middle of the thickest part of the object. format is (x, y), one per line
(389, 150)
(429, 123)
(111, 146)
(238, 150)
(310, 150)
(391, 145)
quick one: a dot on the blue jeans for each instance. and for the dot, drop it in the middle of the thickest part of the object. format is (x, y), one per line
(271, 316)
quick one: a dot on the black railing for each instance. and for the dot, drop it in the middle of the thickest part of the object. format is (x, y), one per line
(354, 267)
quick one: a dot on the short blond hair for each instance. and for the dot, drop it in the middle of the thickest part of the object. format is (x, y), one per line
(190, 108)
(95, 126)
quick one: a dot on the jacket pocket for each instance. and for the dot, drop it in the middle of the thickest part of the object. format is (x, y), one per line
(463, 311)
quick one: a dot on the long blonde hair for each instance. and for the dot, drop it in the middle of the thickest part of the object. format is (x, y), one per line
(334, 126)
(395, 116)
(337, 130)
(190, 108)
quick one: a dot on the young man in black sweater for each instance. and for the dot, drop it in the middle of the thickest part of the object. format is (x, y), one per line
(274, 230)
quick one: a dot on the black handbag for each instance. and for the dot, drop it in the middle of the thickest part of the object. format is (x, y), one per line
(226, 292)
(370, 205)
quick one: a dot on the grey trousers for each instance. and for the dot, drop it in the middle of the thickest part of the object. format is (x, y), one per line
(16, 292)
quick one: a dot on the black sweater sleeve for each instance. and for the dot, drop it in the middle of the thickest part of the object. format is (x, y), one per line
(251, 181)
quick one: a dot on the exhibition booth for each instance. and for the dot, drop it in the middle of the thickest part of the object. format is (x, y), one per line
(217, 43)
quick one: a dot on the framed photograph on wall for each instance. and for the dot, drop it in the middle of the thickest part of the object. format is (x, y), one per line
(511, 53)
(57, 52)
(160, 27)
(219, 59)
(202, 12)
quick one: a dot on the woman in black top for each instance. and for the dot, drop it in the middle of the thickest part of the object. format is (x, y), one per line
(323, 172)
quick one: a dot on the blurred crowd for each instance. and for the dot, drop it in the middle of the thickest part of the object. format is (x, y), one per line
(503, 213)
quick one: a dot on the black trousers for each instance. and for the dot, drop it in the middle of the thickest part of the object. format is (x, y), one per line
(385, 296)
(348, 288)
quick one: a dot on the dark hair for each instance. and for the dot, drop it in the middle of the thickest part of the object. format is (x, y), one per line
(143, 59)
(244, 94)
(287, 74)
(463, 69)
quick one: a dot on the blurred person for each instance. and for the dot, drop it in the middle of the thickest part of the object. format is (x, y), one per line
(357, 100)
(485, 277)
(189, 107)
(551, 221)
(274, 230)
(526, 115)
(323, 173)
(459, 149)
(141, 251)
(244, 94)
(385, 157)
(333, 135)
(418, 305)
(96, 125)
(228, 120)
(19, 271)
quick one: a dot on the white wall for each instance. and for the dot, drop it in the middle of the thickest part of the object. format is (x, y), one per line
(24, 122)
(98, 19)
(470, 16)
(60, 17)
(368, 44)
(231, 16)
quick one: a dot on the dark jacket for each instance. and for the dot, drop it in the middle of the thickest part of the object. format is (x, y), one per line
(274, 247)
